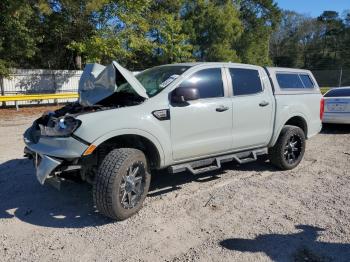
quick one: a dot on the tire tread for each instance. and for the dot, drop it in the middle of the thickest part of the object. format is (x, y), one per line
(104, 180)
(276, 152)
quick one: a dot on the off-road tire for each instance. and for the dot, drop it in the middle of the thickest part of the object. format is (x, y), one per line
(111, 174)
(277, 152)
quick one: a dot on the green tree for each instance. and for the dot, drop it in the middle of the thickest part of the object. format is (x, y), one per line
(66, 25)
(295, 42)
(260, 18)
(331, 38)
(138, 34)
(167, 32)
(18, 34)
(213, 27)
(344, 46)
(320, 43)
(122, 34)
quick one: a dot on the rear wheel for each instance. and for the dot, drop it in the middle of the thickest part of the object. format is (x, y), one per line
(122, 183)
(289, 148)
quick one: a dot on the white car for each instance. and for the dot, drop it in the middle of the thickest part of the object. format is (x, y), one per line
(336, 106)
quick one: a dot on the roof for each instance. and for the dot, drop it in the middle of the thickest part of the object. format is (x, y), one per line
(205, 63)
(236, 64)
(286, 69)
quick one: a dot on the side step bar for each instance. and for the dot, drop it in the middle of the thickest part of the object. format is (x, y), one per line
(214, 163)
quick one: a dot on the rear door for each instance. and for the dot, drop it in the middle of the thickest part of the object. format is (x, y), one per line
(203, 127)
(252, 105)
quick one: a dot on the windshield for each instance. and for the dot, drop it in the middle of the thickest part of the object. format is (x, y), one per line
(157, 78)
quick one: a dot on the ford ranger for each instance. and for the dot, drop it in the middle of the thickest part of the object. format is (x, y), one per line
(185, 117)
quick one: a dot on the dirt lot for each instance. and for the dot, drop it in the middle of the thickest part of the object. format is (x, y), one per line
(251, 212)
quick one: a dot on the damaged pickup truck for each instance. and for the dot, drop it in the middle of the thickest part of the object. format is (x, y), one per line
(184, 117)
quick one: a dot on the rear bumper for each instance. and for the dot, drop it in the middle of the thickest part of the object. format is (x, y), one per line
(336, 118)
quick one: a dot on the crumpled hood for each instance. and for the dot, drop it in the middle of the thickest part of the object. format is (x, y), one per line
(99, 82)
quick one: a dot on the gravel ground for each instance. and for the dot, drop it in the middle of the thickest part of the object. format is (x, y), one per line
(249, 212)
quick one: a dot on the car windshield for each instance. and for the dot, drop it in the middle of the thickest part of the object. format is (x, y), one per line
(157, 78)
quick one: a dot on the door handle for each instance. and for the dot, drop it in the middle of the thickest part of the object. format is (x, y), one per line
(264, 103)
(221, 108)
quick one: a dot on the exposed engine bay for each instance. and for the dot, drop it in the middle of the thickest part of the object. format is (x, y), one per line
(62, 122)
(100, 88)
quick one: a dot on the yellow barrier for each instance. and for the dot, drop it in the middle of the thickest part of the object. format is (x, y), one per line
(16, 98)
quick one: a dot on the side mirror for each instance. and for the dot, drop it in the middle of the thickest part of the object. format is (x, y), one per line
(183, 94)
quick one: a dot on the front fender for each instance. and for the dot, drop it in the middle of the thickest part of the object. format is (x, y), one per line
(134, 131)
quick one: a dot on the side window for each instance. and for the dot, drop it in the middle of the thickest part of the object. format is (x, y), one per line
(208, 82)
(308, 83)
(245, 81)
(289, 80)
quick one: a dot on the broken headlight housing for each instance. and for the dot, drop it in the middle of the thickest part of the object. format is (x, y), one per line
(60, 127)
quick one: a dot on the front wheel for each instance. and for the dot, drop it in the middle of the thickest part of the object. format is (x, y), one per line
(121, 183)
(289, 149)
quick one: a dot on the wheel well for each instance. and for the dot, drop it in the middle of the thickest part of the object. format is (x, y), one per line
(131, 141)
(299, 122)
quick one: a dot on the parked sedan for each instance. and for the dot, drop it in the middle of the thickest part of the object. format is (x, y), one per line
(336, 106)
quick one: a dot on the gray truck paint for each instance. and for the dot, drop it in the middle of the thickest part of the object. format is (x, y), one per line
(61, 147)
(197, 131)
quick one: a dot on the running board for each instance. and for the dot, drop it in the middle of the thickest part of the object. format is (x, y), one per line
(214, 163)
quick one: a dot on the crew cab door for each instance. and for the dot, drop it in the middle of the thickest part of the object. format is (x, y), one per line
(204, 126)
(253, 106)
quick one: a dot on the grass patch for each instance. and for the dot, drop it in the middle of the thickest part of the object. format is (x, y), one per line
(324, 90)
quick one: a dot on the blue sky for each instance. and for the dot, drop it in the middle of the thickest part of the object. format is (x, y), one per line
(314, 7)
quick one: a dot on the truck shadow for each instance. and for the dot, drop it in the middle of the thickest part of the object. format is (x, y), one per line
(25, 199)
(331, 129)
(164, 182)
(301, 246)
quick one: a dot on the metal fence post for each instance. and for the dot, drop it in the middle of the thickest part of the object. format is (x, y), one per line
(54, 85)
(2, 89)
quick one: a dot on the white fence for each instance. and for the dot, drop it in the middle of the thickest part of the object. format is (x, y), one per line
(38, 81)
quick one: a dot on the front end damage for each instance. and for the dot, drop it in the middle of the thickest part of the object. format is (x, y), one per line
(58, 157)
(51, 145)
(51, 142)
(56, 152)
(44, 164)
(53, 170)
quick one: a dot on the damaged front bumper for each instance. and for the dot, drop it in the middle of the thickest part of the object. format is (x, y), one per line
(44, 165)
(51, 153)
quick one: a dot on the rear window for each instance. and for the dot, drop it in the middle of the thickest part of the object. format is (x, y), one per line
(286, 80)
(338, 92)
(245, 81)
(308, 83)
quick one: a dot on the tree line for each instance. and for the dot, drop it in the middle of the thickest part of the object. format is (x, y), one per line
(66, 34)
(320, 43)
